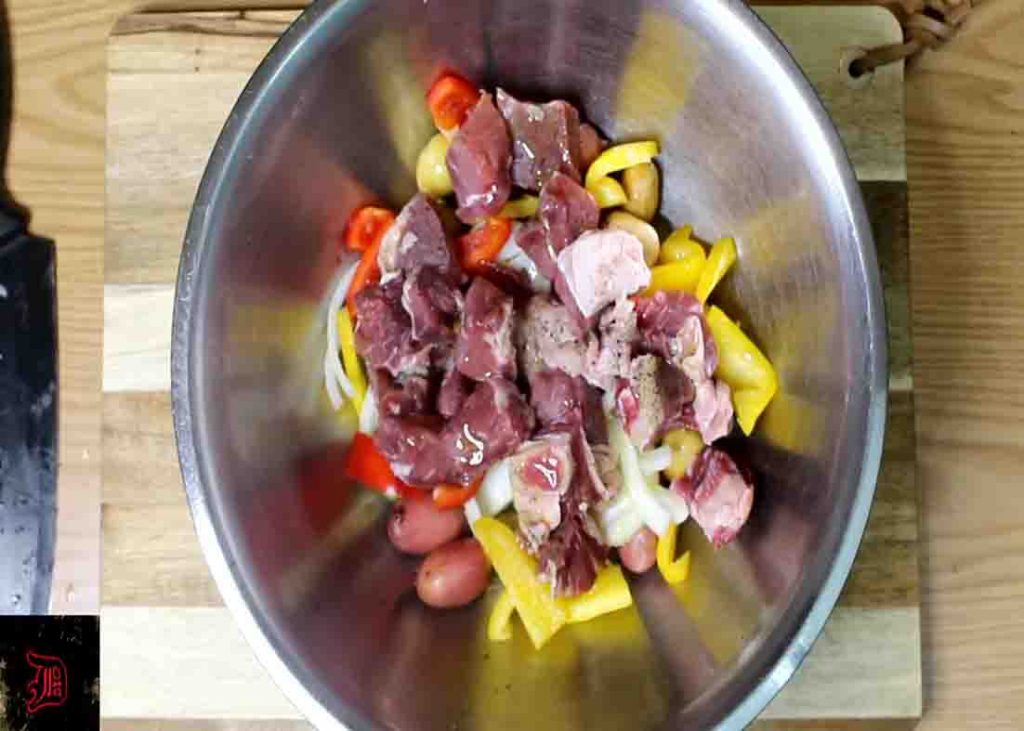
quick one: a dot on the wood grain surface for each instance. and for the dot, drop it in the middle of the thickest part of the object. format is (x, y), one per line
(157, 593)
(965, 142)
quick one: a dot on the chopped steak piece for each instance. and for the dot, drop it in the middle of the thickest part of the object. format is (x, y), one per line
(564, 402)
(545, 140)
(454, 390)
(718, 495)
(567, 210)
(416, 450)
(432, 303)
(672, 325)
(384, 332)
(608, 356)
(484, 346)
(540, 473)
(416, 239)
(478, 162)
(493, 421)
(601, 267)
(548, 336)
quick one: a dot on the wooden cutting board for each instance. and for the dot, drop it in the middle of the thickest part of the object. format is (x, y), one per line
(171, 655)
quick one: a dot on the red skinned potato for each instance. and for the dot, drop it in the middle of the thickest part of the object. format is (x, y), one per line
(453, 575)
(640, 552)
(418, 526)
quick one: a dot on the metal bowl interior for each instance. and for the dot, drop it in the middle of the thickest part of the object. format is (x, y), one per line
(335, 117)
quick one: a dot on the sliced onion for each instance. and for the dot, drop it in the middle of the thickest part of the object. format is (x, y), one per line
(618, 520)
(331, 382)
(472, 511)
(334, 373)
(655, 460)
(495, 492)
(673, 504)
(635, 485)
(368, 415)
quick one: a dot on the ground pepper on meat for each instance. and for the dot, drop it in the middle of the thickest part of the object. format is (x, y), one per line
(533, 362)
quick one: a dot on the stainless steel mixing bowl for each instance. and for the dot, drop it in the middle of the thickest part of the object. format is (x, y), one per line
(334, 117)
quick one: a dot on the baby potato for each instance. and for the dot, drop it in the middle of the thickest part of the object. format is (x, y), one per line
(640, 552)
(453, 575)
(432, 176)
(418, 526)
(641, 229)
(641, 185)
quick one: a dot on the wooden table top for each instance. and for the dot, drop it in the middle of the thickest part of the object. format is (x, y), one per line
(965, 155)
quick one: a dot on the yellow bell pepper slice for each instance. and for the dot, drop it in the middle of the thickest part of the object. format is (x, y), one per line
(499, 624)
(620, 157)
(541, 614)
(744, 367)
(608, 192)
(678, 276)
(679, 246)
(686, 444)
(720, 260)
(610, 593)
(522, 207)
(675, 570)
(750, 405)
(350, 359)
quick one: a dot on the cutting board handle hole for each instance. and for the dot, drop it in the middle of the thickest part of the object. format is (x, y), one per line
(854, 74)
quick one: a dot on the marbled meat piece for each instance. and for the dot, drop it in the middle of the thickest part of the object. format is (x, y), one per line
(514, 256)
(718, 495)
(655, 397)
(415, 240)
(545, 140)
(563, 402)
(566, 209)
(590, 488)
(601, 267)
(410, 396)
(416, 450)
(433, 304)
(532, 238)
(455, 389)
(609, 353)
(491, 424)
(478, 162)
(549, 336)
(540, 473)
(712, 409)
(484, 347)
(383, 332)
(573, 553)
(672, 325)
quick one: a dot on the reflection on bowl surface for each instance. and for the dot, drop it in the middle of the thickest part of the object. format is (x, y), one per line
(335, 118)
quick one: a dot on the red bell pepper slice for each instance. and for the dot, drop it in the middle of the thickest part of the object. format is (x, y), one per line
(367, 273)
(366, 226)
(367, 465)
(483, 244)
(450, 98)
(448, 497)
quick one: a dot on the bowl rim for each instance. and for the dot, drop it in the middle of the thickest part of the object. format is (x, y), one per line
(741, 21)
